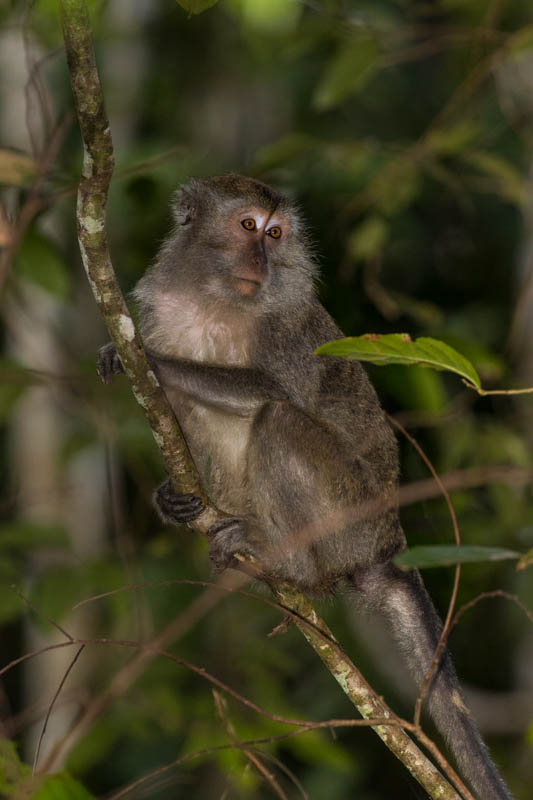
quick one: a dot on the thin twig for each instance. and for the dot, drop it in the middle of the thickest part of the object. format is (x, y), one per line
(487, 596)
(221, 710)
(288, 772)
(133, 669)
(447, 623)
(208, 751)
(51, 706)
(381, 724)
(488, 392)
(391, 720)
(39, 613)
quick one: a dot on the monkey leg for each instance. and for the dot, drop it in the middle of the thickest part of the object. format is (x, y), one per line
(306, 487)
(227, 538)
(176, 508)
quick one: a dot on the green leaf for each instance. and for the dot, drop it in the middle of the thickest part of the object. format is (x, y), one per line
(25, 536)
(319, 749)
(510, 182)
(368, 239)
(288, 149)
(453, 139)
(57, 590)
(11, 767)
(61, 787)
(489, 366)
(350, 70)
(446, 555)
(399, 348)
(526, 560)
(521, 40)
(270, 16)
(396, 187)
(96, 746)
(16, 168)
(38, 260)
(11, 605)
(231, 762)
(196, 6)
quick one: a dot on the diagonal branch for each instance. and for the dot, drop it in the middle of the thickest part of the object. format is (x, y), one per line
(98, 163)
(92, 197)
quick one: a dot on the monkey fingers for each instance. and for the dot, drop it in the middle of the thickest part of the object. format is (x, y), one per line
(226, 539)
(109, 362)
(176, 508)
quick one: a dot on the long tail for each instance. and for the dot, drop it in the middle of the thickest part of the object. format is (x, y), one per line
(402, 598)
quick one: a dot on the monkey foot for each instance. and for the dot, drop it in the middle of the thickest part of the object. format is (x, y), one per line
(176, 508)
(109, 363)
(226, 538)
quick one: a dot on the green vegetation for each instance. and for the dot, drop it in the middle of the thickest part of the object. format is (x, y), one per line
(405, 132)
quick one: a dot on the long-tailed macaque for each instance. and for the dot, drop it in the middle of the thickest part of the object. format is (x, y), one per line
(289, 445)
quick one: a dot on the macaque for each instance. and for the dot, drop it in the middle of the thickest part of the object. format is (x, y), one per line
(289, 445)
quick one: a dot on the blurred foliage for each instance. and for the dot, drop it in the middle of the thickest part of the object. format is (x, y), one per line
(16, 780)
(403, 129)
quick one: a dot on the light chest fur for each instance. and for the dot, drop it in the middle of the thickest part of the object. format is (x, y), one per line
(184, 328)
(218, 440)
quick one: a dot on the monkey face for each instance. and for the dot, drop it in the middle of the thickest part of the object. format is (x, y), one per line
(257, 236)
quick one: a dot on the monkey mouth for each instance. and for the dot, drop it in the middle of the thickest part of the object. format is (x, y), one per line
(248, 287)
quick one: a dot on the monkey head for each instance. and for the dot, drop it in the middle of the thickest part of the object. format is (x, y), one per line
(241, 241)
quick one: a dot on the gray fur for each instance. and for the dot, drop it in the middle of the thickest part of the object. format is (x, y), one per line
(291, 445)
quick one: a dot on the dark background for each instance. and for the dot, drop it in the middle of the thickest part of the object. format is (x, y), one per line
(403, 130)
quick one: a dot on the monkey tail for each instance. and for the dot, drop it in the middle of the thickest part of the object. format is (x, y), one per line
(402, 598)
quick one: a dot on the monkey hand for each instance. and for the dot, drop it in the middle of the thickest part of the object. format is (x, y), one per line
(108, 363)
(176, 508)
(227, 541)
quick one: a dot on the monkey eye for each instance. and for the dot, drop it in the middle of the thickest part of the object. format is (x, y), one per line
(249, 224)
(275, 232)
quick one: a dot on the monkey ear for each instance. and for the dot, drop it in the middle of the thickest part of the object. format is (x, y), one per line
(184, 205)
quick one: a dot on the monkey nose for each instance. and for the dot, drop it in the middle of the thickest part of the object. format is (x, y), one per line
(259, 260)
(254, 268)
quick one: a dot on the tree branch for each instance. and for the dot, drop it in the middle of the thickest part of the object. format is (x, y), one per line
(98, 163)
(92, 197)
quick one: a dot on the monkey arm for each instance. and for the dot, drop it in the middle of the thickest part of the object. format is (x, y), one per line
(240, 390)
